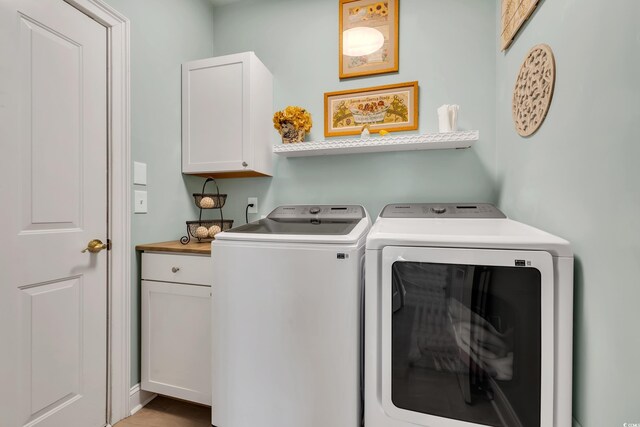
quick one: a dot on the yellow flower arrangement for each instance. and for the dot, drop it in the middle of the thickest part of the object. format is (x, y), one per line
(297, 116)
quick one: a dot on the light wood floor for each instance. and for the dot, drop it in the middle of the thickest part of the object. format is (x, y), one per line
(165, 412)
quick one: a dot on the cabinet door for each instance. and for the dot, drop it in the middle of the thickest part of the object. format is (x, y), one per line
(215, 114)
(176, 340)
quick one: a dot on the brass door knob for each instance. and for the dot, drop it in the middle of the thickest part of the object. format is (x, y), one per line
(95, 246)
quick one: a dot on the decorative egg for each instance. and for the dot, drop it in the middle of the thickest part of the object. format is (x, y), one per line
(202, 232)
(213, 230)
(206, 203)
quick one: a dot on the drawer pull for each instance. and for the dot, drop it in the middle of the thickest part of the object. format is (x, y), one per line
(175, 269)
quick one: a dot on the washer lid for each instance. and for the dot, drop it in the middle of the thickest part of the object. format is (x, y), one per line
(308, 223)
(310, 227)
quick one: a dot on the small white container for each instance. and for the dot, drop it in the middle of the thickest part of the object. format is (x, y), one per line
(448, 118)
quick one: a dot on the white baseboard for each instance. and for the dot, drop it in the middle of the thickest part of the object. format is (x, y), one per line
(139, 398)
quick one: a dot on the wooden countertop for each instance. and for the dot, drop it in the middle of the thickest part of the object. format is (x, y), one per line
(192, 247)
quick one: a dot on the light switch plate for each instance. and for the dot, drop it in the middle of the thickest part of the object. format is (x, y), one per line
(140, 202)
(139, 173)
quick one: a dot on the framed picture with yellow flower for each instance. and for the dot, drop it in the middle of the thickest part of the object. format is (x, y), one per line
(368, 34)
(390, 107)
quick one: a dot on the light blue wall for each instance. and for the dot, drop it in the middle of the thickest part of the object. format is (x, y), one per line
(578, 177)
(297, 40)
(448, 46)
(164, 34)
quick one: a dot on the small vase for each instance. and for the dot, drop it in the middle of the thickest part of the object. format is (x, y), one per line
(290, 134)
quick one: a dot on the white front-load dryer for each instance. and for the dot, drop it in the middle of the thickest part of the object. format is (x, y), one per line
(468, 320)
(287, 297)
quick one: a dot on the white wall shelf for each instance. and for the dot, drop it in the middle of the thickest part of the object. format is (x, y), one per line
(374, 144)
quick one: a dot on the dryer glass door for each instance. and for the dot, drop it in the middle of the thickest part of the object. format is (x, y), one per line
(463, 335)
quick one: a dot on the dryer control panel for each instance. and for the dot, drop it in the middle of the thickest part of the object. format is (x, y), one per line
(334, 212)
(441, 210)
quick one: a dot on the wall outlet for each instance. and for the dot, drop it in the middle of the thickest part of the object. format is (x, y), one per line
(253, 209)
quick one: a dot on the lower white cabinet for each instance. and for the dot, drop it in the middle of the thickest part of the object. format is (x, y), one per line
(176, 326)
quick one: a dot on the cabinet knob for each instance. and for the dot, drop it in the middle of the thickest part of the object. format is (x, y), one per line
(175, 269)
(244, 164)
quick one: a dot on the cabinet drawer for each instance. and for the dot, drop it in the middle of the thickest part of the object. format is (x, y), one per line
(194, 269)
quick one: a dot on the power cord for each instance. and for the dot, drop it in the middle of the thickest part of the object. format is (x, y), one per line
(246, 212)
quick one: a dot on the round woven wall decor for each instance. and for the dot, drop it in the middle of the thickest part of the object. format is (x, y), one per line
(534, 89)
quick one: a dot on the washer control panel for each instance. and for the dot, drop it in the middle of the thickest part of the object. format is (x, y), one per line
(441, 210)
(338, 212)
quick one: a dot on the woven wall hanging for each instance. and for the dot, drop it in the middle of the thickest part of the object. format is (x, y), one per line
(514, 15)
(534, 89)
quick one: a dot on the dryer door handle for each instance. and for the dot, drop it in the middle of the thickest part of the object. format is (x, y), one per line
(398, 290)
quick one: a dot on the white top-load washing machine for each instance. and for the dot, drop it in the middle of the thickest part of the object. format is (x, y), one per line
(287, 297)
(468, 320)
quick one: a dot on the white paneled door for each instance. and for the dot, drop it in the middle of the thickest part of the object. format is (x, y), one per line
(53, 182)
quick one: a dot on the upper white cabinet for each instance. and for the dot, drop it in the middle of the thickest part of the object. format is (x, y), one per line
(227, 109)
